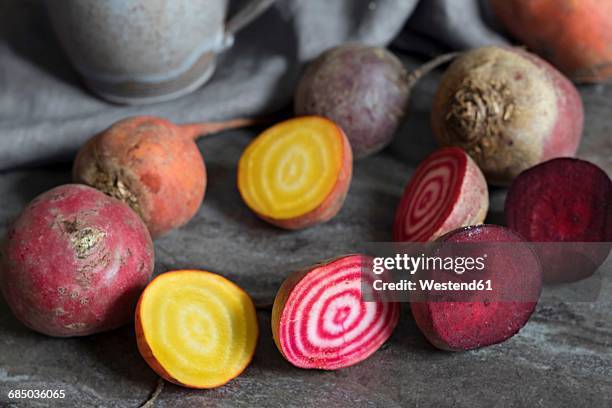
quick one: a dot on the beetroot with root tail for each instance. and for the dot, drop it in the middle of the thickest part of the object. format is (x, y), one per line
(363, 89)
(509, 109)
(74, 262)
(465, 320)
(447, 191)
(320, 320)
(152, 165)
(563, 200)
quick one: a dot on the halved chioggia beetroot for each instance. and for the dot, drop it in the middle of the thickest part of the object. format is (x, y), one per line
(458, 320)
(564, 200)
(447, 191)
(320, 319)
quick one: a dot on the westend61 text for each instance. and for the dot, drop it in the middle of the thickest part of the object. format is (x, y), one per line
(431, 285)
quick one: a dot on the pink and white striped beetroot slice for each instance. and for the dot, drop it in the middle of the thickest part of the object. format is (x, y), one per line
(320, 321)
(447, 191)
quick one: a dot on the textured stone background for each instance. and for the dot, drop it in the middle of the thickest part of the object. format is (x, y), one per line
(562, 358)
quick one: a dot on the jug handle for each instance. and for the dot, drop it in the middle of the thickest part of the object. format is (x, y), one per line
(242, 18)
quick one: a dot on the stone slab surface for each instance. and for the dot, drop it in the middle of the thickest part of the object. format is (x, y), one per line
(562, 358)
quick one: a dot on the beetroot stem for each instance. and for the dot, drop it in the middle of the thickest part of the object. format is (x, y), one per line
(418, 73)
(197, 130)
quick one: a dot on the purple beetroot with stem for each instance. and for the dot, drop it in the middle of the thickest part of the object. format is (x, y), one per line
(364, 89)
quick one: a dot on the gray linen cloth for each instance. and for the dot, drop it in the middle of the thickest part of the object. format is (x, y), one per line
(46, 113)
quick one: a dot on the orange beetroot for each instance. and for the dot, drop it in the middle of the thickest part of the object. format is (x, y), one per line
(574, 35)
(152, 165)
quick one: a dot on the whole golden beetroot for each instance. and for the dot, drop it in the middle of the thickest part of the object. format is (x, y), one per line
(151, 164)
(575, 35)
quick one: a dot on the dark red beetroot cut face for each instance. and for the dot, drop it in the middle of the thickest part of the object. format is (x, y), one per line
(430, 195)
(451, 321)
(563, 200)
(325, 324)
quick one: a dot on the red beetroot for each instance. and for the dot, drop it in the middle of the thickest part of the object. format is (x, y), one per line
(319, 319)
(468, 320)
(447, 191)
(152, 165)
(563, 200)
(508, 109)
(74, 262)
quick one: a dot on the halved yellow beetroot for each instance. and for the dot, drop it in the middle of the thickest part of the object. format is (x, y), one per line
(296, 174)
(196, 328)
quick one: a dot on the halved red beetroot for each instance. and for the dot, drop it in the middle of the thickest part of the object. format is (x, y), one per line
(465, 320)
(447, 191)
(563, 200)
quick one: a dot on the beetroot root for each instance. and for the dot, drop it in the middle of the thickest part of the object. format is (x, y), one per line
(74, 262)
(563, 200)
(453, 322)
(152, 165)
(447, 191)
(509, 110)
(363, 89)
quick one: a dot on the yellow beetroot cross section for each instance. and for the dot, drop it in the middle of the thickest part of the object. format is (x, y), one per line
(201, 328)
(291, 167)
